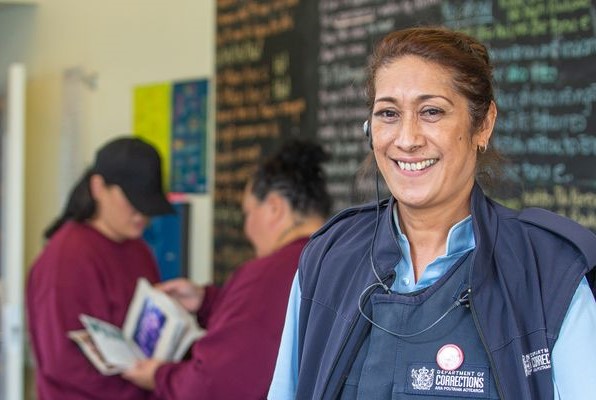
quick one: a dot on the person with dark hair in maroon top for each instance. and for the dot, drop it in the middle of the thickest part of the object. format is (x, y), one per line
(285, 201)
(91, 264)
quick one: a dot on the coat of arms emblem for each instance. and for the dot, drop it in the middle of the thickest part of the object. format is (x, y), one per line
(422, 378)
(527, 364)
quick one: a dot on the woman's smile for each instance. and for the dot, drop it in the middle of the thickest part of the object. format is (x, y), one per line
(416, 165)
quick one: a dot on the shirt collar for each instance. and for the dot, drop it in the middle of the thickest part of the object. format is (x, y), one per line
(460, 239)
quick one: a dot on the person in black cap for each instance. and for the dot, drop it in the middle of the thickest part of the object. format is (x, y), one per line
(91, 264)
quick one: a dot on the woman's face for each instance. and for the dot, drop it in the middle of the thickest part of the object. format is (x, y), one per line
(115, 217)
(422, 137)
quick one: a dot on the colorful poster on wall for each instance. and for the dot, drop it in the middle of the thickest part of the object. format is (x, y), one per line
(189, 137)
(152, 110)
(173, 117)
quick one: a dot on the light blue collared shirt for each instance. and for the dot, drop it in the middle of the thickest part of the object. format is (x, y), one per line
(573, 355)
(460, 240)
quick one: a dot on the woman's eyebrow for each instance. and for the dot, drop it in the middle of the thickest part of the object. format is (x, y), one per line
(421, 97)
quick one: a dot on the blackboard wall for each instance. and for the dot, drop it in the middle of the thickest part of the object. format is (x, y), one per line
(290, 67)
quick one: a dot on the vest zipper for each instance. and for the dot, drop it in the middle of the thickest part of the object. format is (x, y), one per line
(488, 353)
(335, 394)
(473, 309)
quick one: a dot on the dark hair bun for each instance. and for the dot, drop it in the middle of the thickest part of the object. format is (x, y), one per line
(301, 158)
(296, 172)
(301, 153)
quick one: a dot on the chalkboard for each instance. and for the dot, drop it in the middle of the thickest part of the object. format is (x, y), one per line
(289, 67)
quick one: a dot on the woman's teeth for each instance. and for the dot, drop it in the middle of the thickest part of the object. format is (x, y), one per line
(417, 166)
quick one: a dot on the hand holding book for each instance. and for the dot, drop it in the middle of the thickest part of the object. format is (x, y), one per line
(156, 326)
(143, 373)
(188, 294)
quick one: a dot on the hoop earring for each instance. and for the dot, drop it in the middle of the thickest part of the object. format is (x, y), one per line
(482, 148)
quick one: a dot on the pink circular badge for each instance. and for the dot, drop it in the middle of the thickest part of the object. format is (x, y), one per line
(450, 357)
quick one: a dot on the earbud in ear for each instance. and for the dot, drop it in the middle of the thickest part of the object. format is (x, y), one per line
(367, 133)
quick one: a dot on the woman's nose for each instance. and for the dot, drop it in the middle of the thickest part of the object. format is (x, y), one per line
(408, 135)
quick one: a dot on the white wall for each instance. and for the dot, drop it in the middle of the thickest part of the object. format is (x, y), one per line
(125, 43)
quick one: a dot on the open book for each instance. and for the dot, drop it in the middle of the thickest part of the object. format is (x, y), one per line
(156, 326)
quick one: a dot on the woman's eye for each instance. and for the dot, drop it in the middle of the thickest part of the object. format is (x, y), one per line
(386, 113)
(431, 112)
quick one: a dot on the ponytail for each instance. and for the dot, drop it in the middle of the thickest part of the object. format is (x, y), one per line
(80, 206)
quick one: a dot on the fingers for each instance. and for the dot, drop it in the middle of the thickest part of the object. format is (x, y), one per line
(142, 373)
(184, 291)
(175, 285)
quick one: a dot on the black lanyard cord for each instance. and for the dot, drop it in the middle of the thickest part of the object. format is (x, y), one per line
(463, 300)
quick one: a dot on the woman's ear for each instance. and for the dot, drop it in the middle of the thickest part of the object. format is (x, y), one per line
(486, 130)
(97, 186)
(279, 208)
(275, 203)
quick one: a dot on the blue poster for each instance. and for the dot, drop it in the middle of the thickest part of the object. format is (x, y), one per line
(188, 172)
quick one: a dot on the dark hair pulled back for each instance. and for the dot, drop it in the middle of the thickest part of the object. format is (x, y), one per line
(466, 58)
(295, 172)
(79, 207)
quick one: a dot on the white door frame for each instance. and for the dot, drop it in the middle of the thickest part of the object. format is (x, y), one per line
(12, 242)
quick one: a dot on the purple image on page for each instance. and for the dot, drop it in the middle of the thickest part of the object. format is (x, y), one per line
(149, 325)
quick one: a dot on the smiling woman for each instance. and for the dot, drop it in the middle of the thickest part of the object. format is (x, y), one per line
(425, 147)
(438, 280)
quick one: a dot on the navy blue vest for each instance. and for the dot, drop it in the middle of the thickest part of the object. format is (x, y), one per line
(407, 355)
(525, 270)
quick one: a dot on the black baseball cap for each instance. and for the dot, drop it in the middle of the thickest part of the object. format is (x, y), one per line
(135, 166)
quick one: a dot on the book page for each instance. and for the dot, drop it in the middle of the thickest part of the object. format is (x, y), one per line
(150, 325)
(85, 343)
(111, 343)
(192, 334)
(156, 326)
(157, 323)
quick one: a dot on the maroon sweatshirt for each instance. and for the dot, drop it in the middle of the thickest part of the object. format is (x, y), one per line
(81, 271)
(244, 321)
